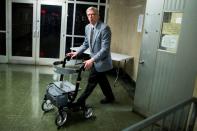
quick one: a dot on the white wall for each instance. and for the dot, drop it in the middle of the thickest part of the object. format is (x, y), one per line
(123, 19)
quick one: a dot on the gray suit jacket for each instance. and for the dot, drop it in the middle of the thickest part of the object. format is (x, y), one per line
(100, 48)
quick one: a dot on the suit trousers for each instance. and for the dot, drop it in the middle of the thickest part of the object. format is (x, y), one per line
(94, 79)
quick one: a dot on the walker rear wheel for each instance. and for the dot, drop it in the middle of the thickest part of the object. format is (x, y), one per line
(88, 112)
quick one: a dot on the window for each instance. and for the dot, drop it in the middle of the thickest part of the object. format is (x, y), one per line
(2, 28)
(101, 1)
(50, 30)
(170, 31)
(77, 20)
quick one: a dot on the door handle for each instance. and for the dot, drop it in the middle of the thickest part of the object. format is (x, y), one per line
(141, 62)
(34, 33)
(38, 33)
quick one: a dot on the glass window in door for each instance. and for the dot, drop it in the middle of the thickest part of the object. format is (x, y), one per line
(50, 29)
(2, 28)
(22, 19)
(171, 28)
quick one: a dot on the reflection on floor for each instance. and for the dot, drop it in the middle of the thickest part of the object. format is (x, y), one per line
(22, 88)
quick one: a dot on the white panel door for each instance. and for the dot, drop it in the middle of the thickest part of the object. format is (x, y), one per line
(50, 45)
(22, 25)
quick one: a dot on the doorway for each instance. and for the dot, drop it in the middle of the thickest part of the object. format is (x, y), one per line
(36, 36)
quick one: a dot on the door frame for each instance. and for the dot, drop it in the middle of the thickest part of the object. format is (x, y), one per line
(4, 58)
(21, 59)
(35, 59)
(49, 61)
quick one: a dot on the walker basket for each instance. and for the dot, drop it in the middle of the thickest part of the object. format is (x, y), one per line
(56, 95)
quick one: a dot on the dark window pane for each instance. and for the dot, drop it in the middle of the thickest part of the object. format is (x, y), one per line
(2, 15)
(2, 44)
(167, 17)
(68, 44)
(22, 15)
(3, 28)
(70, 18)
(102, 13)
(78, 41)
(81, 19)
(89, 0)
(102, 1)
(50, 31)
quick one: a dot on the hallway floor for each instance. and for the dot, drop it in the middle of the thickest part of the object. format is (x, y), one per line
(22, 88)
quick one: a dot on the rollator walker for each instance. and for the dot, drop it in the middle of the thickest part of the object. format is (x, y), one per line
(62, 94)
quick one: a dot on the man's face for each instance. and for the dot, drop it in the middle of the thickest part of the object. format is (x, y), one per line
(92, 17)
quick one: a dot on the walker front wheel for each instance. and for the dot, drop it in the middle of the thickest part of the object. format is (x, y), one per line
(47, 106)
(61, 119)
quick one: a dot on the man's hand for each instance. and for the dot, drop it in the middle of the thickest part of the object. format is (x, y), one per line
(72, 54)
(88, 63)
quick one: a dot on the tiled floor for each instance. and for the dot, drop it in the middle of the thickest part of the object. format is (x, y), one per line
(22, 88)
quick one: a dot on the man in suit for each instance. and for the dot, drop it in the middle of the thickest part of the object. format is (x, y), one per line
(98, 40)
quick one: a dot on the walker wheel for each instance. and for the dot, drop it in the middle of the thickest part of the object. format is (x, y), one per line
(88, 112)
(47, 106)
(61, 119)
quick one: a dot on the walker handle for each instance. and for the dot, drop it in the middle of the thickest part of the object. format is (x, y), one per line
(58, 62)
(67, 58)
(82, 67)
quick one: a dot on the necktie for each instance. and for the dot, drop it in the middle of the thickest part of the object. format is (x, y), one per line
(91, 36)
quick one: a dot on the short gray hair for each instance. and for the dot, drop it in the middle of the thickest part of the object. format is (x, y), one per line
(96, 11)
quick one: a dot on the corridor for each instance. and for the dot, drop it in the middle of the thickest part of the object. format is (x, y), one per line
(22, 88)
